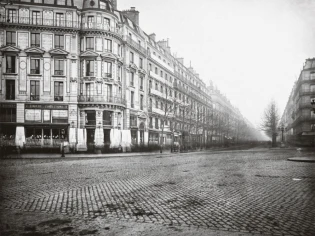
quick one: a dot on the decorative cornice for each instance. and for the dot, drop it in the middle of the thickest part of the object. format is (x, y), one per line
(89, 54)
(9, 48)
(34, 50)
(58, 52)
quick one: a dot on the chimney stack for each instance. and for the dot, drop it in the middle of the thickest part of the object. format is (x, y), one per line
(132, 14)
(114, 4)
(152, 36)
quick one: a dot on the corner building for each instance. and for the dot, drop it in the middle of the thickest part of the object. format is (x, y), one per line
(85, 73)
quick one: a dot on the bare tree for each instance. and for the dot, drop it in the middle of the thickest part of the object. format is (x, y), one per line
(270, 121)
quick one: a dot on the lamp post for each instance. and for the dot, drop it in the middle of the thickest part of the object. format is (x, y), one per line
(281, 128)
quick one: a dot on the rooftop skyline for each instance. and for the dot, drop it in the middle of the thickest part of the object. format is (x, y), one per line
(252, 50)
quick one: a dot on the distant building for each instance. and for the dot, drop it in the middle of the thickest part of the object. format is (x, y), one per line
(298, 117)
(85, 73)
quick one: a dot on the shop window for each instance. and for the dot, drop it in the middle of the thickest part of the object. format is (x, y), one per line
(8, 114)
(59, 116)
(7, 134)
(33, 136)
(10, 89)
(11, 38)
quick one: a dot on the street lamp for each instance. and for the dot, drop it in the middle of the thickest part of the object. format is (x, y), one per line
(281, 128)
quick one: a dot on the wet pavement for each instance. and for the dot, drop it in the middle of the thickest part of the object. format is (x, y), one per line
(243, 192)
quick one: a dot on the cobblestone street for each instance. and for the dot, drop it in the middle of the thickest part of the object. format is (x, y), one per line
(247, 192)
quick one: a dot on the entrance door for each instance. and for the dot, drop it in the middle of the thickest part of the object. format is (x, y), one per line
(90, 139)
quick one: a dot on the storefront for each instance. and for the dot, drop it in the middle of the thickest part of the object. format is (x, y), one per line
(46, 125)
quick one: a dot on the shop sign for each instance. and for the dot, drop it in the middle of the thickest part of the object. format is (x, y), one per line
(33, 115)
(7, 105)
(46, 115)
(59, 113)
(46, 106)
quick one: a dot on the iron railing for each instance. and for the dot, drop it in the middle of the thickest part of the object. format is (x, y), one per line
(58, 72)
(102, 99)
(40, 22)
(99, 26)
(58, 98)
(34, 97)
(136, 45)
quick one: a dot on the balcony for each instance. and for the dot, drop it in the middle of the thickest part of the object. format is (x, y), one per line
(58, 98)
(136, 45)
(35, 45)
(99, 26)
(307, 92)
(40, 22)
(89, 74)
(58, 72)
(10, 71)
(34, 71)
(101, 99)
(34, 97)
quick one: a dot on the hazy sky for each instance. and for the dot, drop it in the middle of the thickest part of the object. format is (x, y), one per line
(253, 50)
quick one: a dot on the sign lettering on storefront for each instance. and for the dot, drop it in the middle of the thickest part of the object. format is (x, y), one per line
(46, 106)
(8, 105)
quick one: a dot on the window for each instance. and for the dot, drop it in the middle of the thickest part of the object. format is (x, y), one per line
(11, 38)
(141, 102)
(131, 57)
(119, 50)
(34, 66)
(89, 68)
(161, 88)
(35, 40)
(7, 115)
(156, 123)
(58, 92)
(34, 90)
(108, 45)
(156, 104)
(59, 66)
(161, 74)
(132, 75)
(36, 17)
(60, 19)
(106, 22)
(156, 86)
(103, 5)
(89, 43)
(59, 41)
(141, 63)
(10, 64)
(150, 123)
(12, 15)
(162, 106)
(119, 73)
(108, 69)
(90, 21)
(150, 84)
(150, 67)
(141, 83)
(107, 118)
(10, 89)
(156, 70)
(132, 95)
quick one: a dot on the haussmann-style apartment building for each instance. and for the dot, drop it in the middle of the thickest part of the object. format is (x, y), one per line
(85, 73)
(298, 118)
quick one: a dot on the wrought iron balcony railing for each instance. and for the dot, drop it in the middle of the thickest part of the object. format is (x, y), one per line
(40, 22)
(100, 26)
(34, 71)
(58, 98)
(136, 45)
(34, 97)
(58, 72)
(10, 70)
(101, 99)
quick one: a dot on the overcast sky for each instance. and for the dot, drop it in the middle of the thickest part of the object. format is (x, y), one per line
(253, 50)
